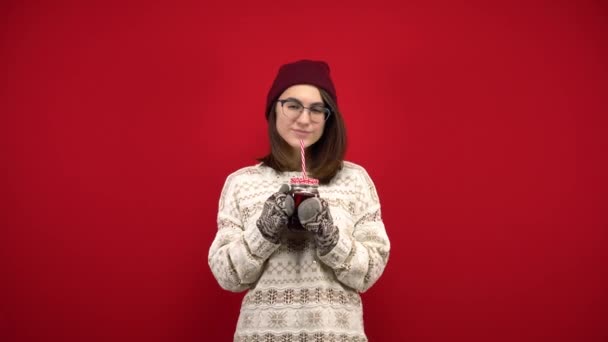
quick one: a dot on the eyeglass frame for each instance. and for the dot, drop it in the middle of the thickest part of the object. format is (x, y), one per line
(328, 111)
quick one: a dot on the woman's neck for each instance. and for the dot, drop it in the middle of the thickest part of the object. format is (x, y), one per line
(295, 160)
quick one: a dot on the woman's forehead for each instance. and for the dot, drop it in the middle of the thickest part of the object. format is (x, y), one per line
(303, 92)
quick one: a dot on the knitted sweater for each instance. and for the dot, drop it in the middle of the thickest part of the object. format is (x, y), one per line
(295, 294)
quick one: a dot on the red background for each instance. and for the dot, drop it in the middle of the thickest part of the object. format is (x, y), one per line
(482, 124)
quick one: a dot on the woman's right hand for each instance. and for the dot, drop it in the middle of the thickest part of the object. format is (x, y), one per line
(275, 215)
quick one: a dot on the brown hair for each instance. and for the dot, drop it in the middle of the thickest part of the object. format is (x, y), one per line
(324, 158)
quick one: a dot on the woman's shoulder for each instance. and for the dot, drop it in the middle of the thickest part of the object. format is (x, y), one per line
(351, 168)
(252, 171)
(360, 176)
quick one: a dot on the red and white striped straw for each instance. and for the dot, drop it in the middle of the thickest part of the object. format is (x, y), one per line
(303, 159)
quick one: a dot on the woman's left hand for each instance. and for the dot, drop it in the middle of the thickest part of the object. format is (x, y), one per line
(315, 217)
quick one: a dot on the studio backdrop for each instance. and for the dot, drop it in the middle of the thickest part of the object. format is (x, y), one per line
(483, 125)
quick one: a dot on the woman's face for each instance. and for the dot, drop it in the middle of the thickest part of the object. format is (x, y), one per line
(305, 126)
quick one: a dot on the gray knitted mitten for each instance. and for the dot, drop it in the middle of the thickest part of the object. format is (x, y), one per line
(277, 209)
(315, 217)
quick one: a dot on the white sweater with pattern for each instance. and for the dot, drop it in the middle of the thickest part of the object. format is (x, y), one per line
(294, 293)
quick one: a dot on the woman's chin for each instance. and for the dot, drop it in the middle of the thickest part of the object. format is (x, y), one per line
(295, 143)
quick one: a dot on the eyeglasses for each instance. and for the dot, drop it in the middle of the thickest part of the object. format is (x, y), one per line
(293, 108)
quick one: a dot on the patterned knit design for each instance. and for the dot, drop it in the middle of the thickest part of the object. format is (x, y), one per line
(275, 215)
(315, 216)
(295, 293)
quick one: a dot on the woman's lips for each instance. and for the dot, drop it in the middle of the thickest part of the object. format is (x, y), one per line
(301, 133)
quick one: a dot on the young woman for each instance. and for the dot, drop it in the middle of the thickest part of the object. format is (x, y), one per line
(303, 284)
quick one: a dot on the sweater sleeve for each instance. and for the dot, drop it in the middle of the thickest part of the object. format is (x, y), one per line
(358, 260)
(237, 254)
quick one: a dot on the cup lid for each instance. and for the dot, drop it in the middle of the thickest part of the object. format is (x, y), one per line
(302, 180)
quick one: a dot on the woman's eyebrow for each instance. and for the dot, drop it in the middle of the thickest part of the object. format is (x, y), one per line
(293, 99)
(300, 102)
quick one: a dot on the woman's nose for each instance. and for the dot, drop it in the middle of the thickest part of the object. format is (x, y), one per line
(304, 117)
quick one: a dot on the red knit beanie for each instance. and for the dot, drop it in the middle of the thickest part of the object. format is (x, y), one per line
(315, 73)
